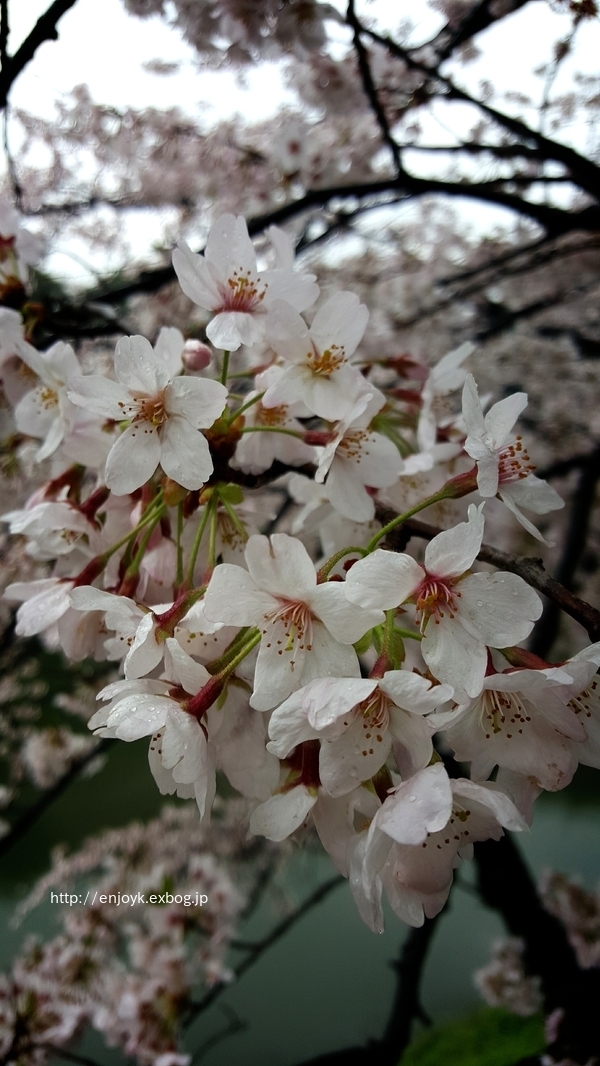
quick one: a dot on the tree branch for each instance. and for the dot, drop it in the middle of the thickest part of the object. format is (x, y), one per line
(282, 927)
(582, 507)
(44, 30)
(370, 88)
(506, 885)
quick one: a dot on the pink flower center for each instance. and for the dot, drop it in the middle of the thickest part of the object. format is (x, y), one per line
(435, 597)
(241, 293)
(513, 462)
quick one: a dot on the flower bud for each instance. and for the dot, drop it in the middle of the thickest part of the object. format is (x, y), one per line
(196, 355)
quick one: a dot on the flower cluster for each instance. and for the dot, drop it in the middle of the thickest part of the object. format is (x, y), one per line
(152, 910)
(321, 673)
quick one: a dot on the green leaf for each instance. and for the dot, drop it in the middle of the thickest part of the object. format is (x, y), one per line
(489, 1038)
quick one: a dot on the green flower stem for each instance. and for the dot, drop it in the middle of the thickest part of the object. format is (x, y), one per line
(197, 542)
(254, 639)
(272, 429)
(327, 567)
(179, 569)
(225, 368)
(234, 518)
(212, 536)
(443, 494)
(230, 652)
(246, 405)
(148, 516)
(134, 566)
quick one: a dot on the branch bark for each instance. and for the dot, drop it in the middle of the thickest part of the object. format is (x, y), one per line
(44, 30)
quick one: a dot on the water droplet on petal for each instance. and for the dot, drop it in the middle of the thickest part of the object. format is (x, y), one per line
(412, 799)
(480, 603)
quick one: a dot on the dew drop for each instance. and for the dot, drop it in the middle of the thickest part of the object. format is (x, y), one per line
(412, 799)
(480, 603)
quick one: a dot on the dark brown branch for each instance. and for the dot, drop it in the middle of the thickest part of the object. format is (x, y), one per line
(585, 172)
(531, 570)
(506, 885)
(44, 30)
(406, 1008)
(478, 19)
(582, 507)
(370, 88)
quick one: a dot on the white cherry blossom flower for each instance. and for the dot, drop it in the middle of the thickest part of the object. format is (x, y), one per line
(258, 450)
(418, 836)
(181, 758)
(461, 614)
(503, 465)
(521, 722)
(357, 721)
(45, 412)
(445, 377)
(225, 280)
(53, 528)
(318, 371)
(307, 628)
(43, 602)
(358, 457)
(166, 415)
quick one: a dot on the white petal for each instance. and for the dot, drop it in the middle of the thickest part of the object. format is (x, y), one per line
(133, 458)
(353, 757)
(281, 565)
(138, 367)
(195, 277)
(452, 552)
(233, 598)
(383, 580)
(169, 348)
(413, 692)
(230, 329)
(326, 699)
(346, 622)
(501, 418)
(498, 609)
(199, 400)
(101, 395)
(283, 813)
(421, 805)
(185, 456)
(454, 656)
(341, 321)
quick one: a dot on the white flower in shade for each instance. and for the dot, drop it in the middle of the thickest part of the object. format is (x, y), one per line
(11, 333)
(52, 529)
(503, 465)
(307, 628)
(461, 614)
(258, 450)
(443, 378)
(586, 703)
(357, 721)
(358, 457)
(225, 281)
(45, 412)
(135, 628)
(165, 413)
(43, 602)
(418, 836)
(181, 758)
(318, 370)
(522, 722)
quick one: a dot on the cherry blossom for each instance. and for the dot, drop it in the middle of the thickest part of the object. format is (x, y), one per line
(460, 613)
(319, 372)
(307, 629)
(45, 412)
(165, 415)
(503, 465)
(358, 457)
(225, 281)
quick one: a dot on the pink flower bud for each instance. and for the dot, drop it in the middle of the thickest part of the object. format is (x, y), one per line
(196, 355)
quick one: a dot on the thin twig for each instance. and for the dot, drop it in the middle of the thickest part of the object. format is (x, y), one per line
(22, 826)
(370, 88)
(258, 951)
